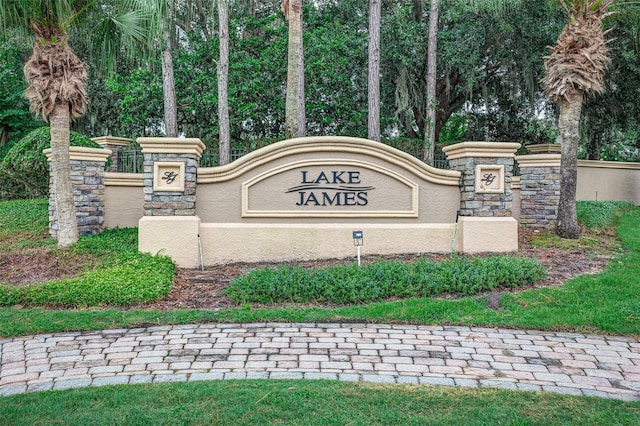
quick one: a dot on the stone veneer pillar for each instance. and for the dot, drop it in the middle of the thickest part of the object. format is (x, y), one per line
(115, 144)
(487, 169)
(87, 177)
(170, 225)
(539, 190)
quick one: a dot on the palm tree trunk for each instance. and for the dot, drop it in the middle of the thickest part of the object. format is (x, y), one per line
(430, 122)
(223, 73)
(569, 126)
(61, 176)
(375, 7)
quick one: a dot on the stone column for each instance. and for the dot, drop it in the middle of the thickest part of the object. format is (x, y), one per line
(170, 225)
(539, 190)
(487, 169)
(87, 176)
(115, 145)
(486, 198)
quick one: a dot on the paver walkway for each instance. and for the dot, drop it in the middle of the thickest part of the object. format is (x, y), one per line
(431, 355)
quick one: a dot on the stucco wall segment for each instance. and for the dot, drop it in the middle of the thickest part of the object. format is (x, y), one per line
(608, 164)
(123, 179)
(80, 153)
(538, 160)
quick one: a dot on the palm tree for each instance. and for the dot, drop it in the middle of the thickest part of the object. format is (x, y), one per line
(57, 82)
(574, 68)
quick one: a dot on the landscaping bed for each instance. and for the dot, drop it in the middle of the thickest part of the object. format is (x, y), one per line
(196, 289)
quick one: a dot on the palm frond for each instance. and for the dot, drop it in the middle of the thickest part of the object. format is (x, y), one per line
(581, 55)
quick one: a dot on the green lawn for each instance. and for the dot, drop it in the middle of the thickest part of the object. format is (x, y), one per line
(254, 402)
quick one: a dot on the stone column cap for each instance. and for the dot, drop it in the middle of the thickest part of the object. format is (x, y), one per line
(171, 146)
(539, 160)
(481, 149)
(81, 153)
(112, 141)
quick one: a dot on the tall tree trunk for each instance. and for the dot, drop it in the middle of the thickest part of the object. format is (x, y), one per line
(302, 113)
(594, 143)
(569, 126)
(223, 73)
(430, 121)
(375, 8)
(295, 120)
(61, 176)
(168, 83)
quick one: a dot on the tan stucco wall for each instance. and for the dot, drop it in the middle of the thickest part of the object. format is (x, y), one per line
(406, 190)
(270, 242)
(488, 234)
(275, 242)
(174, 236)
(608, 180)
(123, 200)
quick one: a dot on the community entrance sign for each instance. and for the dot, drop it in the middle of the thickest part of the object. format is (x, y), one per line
(300, 199)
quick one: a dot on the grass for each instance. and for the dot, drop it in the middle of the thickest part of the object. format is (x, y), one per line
(604, 303)
(114, 272)
(24, 224)
(250, 402)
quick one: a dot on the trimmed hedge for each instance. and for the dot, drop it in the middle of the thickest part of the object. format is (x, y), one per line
(348, 284)
(24, 171)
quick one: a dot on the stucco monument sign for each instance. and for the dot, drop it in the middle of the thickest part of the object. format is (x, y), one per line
(303, 198)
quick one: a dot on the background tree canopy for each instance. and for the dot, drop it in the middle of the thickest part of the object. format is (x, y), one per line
(489, 69)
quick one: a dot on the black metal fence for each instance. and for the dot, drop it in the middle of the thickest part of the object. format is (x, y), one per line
(131, 160)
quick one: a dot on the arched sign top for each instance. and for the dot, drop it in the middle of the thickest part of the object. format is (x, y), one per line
(310, 147)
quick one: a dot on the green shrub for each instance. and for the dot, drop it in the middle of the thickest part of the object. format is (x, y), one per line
(24, 170)
(134, 278)
(594, 215)
(348, 284)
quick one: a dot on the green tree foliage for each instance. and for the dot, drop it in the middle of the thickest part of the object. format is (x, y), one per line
(139, 102)
(24, 172)
(15, 118)
(610, 120)
(489, 68)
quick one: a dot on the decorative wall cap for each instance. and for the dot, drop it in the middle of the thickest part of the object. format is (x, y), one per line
(171, 146)
(112, 141)
(332, 144)
(80, 153)
(608, 164)
(515, 182)
(538, 160)
(544, 148)
(481, 150)
(123, 179)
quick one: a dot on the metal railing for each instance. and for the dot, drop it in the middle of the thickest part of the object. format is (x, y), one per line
(129, 161)
(132, 160)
